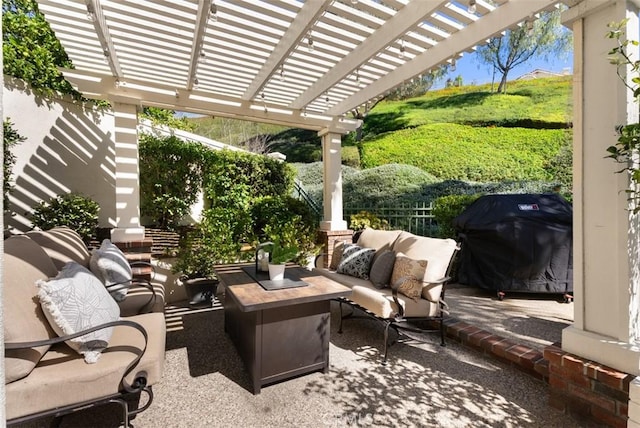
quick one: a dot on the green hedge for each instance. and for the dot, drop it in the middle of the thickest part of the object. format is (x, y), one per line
(170, 178)
(451, 151)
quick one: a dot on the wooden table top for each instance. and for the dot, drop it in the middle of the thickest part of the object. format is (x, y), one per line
(250, 296)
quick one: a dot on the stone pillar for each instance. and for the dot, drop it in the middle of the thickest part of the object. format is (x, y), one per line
(332, 173)
(328, 240)
(127, 175)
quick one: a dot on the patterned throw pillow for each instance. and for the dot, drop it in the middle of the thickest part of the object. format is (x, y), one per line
(75, 300)
(109, 264)
(356, 261)
(382, 268)
(413, 271)
(336, 256)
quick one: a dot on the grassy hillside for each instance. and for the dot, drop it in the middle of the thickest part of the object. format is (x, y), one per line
(461, 133)
(461, 152)
(541, 103)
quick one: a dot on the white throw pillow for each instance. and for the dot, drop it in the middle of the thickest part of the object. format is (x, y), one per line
(75, 300)
(111, 266)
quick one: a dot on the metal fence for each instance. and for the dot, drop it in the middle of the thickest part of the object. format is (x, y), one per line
(415, 218)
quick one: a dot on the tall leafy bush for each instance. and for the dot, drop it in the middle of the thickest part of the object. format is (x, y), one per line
(10, 139)
(460, 152)
(446, 208)
(170, 178)
(233, 179)
(287, 220)
(76, 211)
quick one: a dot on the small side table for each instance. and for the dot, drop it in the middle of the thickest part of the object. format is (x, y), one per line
(279, 334)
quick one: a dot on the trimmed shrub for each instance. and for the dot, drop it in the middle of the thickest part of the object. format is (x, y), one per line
(287, 220)
(446, 208)
(74, 210)
(234, 179)
(459, 152)
(170, 179)
(364, 219)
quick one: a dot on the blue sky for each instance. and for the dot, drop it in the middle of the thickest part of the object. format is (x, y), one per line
(473, 71)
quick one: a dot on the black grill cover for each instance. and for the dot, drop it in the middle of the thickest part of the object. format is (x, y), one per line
(517, 243)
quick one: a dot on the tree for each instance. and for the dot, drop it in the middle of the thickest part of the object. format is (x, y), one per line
(540, 38)
(31, 50)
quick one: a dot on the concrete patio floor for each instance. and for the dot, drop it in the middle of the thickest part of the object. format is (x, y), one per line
(205, 384)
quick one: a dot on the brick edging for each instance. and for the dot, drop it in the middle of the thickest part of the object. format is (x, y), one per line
(521, 357)
(590, 392)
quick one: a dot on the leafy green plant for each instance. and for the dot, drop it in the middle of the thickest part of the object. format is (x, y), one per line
(11, 138)
(365, 219)
(31, 50)
(280, 253)
(628, 143)
(170, 178)
(286, 220)
(215, 240)
(73, 210)
(446, 208)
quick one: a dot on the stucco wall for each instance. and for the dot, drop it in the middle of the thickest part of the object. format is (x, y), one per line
(68, 148)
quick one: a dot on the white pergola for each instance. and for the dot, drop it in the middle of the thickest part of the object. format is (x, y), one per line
(304, 64)
(307, 64)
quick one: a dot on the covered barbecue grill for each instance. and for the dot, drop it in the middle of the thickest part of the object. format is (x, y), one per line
(517, 243)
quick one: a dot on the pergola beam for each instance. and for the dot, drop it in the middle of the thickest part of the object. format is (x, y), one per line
(94, 9)
(394, 28)
(304, 21)
(491, 24)
(139, 93)
(204, 7)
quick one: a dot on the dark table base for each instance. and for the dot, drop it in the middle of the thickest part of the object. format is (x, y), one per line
(280, 343)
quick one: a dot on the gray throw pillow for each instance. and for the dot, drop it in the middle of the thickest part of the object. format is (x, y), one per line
(356, 261)
(75, 300)
(382, 268)
(109, 264)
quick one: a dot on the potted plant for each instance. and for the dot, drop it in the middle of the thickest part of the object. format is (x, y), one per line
(280, 255)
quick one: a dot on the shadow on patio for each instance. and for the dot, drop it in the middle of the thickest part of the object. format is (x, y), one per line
(205, 385)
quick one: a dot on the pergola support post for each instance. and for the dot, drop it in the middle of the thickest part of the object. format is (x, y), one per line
(127, 179)
(604, 338)
(333, 227)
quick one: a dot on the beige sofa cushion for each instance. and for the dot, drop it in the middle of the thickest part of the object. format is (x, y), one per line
(25, 262)
(64, 378)
(437, 252)
(138, 300)
(63, 245)
(379, 239)
(381, 303)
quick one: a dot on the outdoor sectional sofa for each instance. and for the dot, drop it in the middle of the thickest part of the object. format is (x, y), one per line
(395, 277)
(51, 373)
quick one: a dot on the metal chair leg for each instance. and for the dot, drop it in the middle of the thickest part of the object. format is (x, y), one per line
(340, 325)
(442, 331)
(386, 342)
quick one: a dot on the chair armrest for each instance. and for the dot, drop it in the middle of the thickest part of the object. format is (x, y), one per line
(139, 382)
(141, 283)
(145, 284)
(318, 257)
(394, 294)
